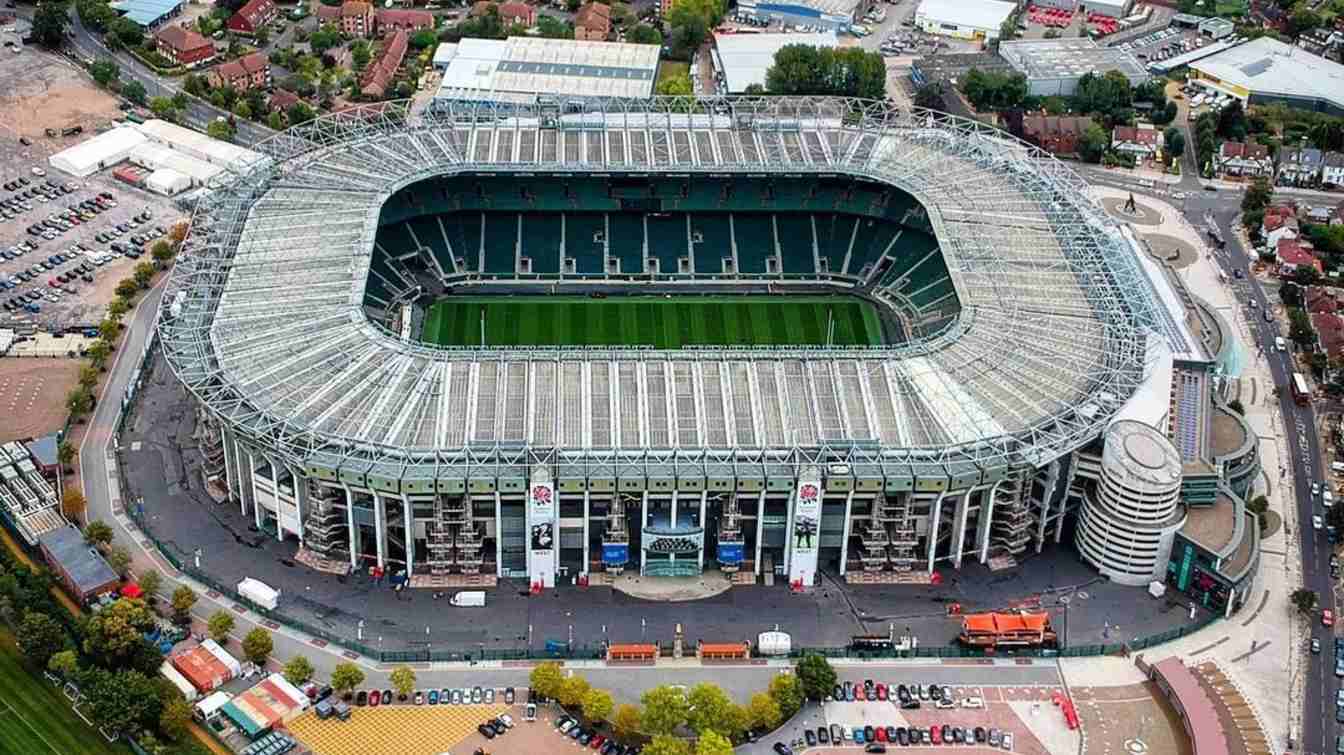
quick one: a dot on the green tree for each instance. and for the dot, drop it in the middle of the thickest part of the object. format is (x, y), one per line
(104, 72)
(1232, 123)
(1093, 144)
(1334, 517)
(109, 329)
(183, 599)
(49, 22)
(40, 637)
(119, 559)
(665, 709)
(1304, 600)
(126, 31)
(993, 90)
(712, 743)
(257, 645)
(79, 402)
(627, 720)
(1173, 140)
(66, 453)
(88, 378)
(679, 84)
(242, 109)
(1300, 331)
(930, 96)
(403, 680)
(175, 720)
(220, 625)
(426, 38)
(360, 55)
(688, 28)
(597, 705)
(150, 582)
(324, 39)
(346, 676)
(299, 113)
(161, 251)
(121, 701)
(643, 34)
(126, 288)
(664, 744)
(816, 675)
(276, 121)
(64, 664)
(807, 70)
(711, 710)
(298, 669)
(97, 532)
(220, 129)
(763, 712)
(787, 691)
(572, 691)
(113, 635)
(162, 107)
(98, 352)
(1257, 196)
(546, 679)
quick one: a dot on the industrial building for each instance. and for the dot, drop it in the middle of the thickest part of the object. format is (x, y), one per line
(816, 15)
(520, 70)
(1265, 71)
(83, 572)
(29, 504)
(1112, 8)
(1054, 66)
(334, 430)
(741, 60)
(964, 19)
(951, 69)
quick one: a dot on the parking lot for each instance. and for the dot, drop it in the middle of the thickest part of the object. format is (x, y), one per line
(396, 730)
(1165, 43)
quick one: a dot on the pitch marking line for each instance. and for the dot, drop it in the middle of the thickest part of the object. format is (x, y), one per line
(9, 709)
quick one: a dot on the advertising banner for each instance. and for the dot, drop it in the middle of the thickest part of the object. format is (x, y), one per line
(730, 554)
(542, 549)
(615, 554)
(805, 532)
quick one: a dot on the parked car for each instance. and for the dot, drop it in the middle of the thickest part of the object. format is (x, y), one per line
(387, 697)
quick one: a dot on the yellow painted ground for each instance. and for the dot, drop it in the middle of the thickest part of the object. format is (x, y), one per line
(393, 730)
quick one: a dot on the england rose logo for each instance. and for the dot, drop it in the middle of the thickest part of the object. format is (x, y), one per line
(541, 495)
(808, 492)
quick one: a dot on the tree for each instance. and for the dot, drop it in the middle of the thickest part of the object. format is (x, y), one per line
(677, 84)
(121, 701)
(257, 645)
(712, 743)
(119, 559)
(688, 31)
(346, 676)
(1258, 195)
(1300, 331)
(79, 402)
(126, 288)
(664, 744)
(643, 34)
(242, 109)
(546, 679)
(711, 710)
(808, 70)
(276, 121)
(97, 532)
(1232, 123)
(161, 251)
(427, 38)
(763, 712)
(175, 720)
(597, 705)
(98, 353)
(150, 582)
(183, 599)
(104, 72)
(572, 691)
(930, 96)
(219, 129)
(1174, 140)
(298, 670)
(403, 680)
(994, 90)
(73, 504)
(324, 39)
(162, 107)
(66, 453)
(1305, 600)
(109, 329)
(1093, 144)
(787, 692)
(299, 113)
(134, 91)
(113, 634)
(627, 720)
(1260, 506)
(219, 626)
(665, 709)
(49, 21)
(64, 664)
(816, 675)
(360, 54)
(1334, 517)
(40, 637)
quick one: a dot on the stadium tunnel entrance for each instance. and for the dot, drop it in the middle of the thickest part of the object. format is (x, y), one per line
(451, 238)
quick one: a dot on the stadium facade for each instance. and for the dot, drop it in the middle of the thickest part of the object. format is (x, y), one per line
(1023, 324)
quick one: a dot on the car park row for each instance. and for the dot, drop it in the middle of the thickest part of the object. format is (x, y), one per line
(571, 727)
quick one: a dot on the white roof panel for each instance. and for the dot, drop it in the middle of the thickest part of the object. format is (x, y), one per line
(1268, 66)
(102, 151)
(520, 68)
(976, 14)
(746, 57)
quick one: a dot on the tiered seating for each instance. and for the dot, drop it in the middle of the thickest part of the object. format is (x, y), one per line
(755, 241)
(833, 236)
(871, 241)
(797, 248)
(627, 241)
(541, 239)
(426, 231)
(500, 233)
(580, 230)
(714, 242)
(396, 242)
(667, 240)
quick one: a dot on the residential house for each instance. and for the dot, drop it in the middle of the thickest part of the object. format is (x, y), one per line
(358, 19)
(282, 100)
(1320, 300)
(1243, 159)
(183, 46)
(518, 13)
(410, 21)
(1055, 134)
(254, 15)
(1332, 169)
(1299, 166)
(1143, 143)
(328, 14)
(1292, 254)
(380, 73)
(1280, 222)
(593, 21)
(1329, 334)
(248, 72)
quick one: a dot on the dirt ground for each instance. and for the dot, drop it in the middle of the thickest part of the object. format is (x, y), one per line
(32, 395)
(46, 91)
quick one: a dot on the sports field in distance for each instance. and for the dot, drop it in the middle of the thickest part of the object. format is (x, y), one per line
(661, 322)
(36, 719)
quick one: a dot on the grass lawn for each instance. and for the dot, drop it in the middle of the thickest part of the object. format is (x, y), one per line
(36, 718)
(669, 69)
(664, 323)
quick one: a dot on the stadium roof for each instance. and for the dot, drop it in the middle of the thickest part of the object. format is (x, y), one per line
(520, 68)
(974, 14)
(145, 12)
(271, 334)
(1266, 66)
(745, 58)
(1068, 58)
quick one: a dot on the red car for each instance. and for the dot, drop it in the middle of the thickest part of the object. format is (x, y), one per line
(881, 691)
(1327, 618)
(596, 744)
(374, 698)
(858, 692)
(880, 733)
(933, 735)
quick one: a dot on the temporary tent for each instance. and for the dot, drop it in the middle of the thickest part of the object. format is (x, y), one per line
(167, 182)
(272, 701)
(102, 151)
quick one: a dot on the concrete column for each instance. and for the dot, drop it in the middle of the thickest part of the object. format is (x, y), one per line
(499, 536)
(300, 500)
(934, 516)
(229, 468)
(643, 522)
(380, 528)
(408, 512)
(760, 529)
(959, 518)
(583, 564)
(672, 522)
(351, 530)
(844, 538)
(700, 557)
(983, 525)
(252, 485)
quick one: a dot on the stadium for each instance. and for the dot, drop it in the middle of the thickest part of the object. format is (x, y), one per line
(764, 336)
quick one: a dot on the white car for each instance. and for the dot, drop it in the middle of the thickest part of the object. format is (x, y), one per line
(972, 702)
(566, 726)
(530, 712)
(1315, 489)
(1316, 522)
(1327, 499)
(507, 719)
(1007, 740)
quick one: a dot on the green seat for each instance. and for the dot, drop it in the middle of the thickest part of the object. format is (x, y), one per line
(711, 240)
(796, 247)
(580, 230)
(627, 241)
(755, 235)
(500, 234)
(541, 237)
(667, 240)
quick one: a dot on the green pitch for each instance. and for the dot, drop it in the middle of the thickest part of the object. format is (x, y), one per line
(36, 718)
(664, 323)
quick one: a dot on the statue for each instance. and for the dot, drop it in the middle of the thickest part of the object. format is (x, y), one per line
(1130, 207)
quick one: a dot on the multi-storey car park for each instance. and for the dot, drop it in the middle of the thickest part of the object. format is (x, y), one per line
(942, 327)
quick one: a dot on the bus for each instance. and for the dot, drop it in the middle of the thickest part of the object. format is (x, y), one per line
(1301, 394)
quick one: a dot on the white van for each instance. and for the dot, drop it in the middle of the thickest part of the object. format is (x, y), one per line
(1337, 467)
(1280, 344)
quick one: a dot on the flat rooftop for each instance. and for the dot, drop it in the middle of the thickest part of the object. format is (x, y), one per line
(1269, 67)
(1228, 433)
(1068, 58)
(746, 57)
(830, 7)
(1240, 558)
(1212, 526)
(528, 66)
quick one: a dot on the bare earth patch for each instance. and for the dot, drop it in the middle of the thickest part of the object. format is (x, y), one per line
(45, 91)
(32, 395)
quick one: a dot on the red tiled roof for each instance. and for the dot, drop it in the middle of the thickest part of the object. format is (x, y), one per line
(1132, 135)
(406, 17)
(515, 10)
(380, 72)
(593, 16)
(255, 10)
(1050, 125)
(1291, 252)
(355, 8)
(180, 39)
(283, 99)
(328, 12)
(481, 8)
(1321, 300)
(1205, 728)
(1330, 332)
(246, 65)
(1249, 151)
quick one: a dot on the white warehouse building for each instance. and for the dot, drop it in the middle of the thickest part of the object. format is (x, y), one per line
(964, 19)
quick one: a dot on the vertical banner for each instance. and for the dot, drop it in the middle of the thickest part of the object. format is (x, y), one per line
(805, 532)
(543, 552)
